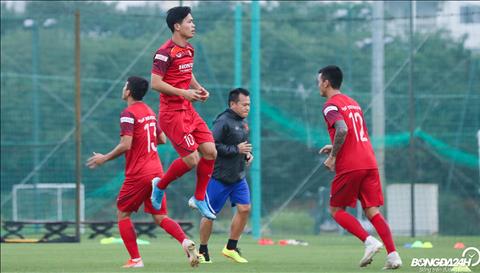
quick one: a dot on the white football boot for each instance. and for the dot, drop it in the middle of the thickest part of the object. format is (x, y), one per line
(393, 261)
(372, 246)
(189, 247)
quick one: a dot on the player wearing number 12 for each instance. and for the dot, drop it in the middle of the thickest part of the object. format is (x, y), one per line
(352, 158)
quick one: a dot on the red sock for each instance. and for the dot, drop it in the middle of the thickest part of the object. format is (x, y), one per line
(173, 228)
(351, 224)
(129, 237)
(383, 231)
(176, 170)
(204, 172)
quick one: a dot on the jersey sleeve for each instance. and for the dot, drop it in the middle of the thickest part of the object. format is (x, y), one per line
(161, 62)
(331, 114)
(127, 121)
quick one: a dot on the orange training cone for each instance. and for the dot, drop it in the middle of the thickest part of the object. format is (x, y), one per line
(459, 245)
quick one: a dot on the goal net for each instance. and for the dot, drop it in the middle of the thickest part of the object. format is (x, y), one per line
(46, 202)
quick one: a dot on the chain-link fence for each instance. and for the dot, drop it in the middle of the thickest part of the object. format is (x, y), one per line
(297, 38)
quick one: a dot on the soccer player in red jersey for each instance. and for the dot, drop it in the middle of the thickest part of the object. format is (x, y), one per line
(139, 137)
(352, 159)
(172, 76)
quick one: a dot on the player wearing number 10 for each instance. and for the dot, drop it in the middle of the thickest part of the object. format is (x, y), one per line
(352, 158)
(172, 76)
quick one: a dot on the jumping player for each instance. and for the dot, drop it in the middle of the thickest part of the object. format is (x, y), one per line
(172, 76)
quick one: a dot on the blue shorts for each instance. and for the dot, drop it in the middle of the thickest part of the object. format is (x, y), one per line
(218, 192)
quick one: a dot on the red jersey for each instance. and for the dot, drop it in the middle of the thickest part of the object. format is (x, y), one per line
(139, 121)
(356, 152)
(174, 63)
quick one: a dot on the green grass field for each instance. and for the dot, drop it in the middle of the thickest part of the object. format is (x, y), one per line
(324, 254)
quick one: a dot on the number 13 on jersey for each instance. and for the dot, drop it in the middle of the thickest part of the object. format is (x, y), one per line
(150, 142)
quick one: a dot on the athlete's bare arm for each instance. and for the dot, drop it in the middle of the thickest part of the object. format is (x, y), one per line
(341, 131)
(196, 85)
(161, 86)
(161, 138)
(99, 159)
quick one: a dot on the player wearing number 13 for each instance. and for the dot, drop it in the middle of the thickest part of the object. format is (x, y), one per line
(139, 136)
(351, 157)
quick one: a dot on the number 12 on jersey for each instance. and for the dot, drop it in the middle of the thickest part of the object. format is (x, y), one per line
(357, 119)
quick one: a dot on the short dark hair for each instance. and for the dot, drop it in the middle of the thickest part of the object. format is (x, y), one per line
(333, 74)
(176, 15)
(138, 87)
(235, 93)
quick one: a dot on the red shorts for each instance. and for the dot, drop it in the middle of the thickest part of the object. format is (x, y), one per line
(360, 184)
(137, 191)
(185, 129)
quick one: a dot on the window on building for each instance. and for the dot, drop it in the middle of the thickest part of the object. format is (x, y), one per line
(470, 14)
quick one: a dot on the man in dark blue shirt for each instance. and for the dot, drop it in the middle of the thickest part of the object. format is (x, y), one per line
(230, 131)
